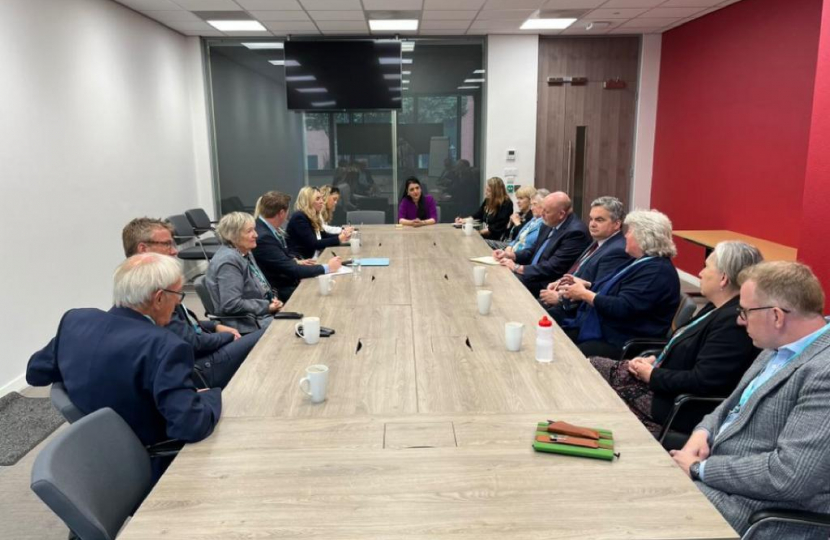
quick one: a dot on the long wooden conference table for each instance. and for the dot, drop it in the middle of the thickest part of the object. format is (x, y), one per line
(427, 427)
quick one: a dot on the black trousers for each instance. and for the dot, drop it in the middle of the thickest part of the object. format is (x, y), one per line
(216, 369)
(594, 348)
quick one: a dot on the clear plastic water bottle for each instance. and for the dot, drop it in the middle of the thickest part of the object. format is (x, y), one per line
(544, 340)
(356, 268)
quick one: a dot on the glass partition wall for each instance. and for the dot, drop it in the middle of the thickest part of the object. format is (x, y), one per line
(260, 145)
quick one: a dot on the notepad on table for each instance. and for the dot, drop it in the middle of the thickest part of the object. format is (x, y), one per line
(342, 271)
(485, 260)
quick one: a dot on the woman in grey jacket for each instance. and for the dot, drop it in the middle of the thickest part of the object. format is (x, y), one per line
(236, 284)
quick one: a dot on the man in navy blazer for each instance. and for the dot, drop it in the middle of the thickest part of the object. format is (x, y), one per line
(125, 359)
(281, 269)
(219, 349)
(561, 240)
(603, 257)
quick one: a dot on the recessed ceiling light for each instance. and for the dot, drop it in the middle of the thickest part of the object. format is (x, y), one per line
(300, 78)
(320, 90)
(473, 80)
(479, 71)
(380, 25)
(547, 24)
(237, 26)
(265, 45)
(407, 46)
(391, 76)
(323, 103)
(469, 87)
(288, 63)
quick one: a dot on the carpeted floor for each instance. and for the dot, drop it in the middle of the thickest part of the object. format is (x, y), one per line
(24, 423)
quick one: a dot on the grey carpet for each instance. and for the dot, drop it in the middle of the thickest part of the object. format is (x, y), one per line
(24, 422)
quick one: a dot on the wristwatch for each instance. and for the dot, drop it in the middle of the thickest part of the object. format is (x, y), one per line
(694, 470)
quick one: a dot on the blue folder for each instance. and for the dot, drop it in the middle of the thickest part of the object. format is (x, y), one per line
(374, 262)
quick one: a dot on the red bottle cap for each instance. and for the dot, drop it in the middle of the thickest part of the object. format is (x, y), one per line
(545, 322)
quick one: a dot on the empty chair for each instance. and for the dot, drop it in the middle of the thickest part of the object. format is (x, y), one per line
(93, 475)
(200, 221)
(366, 217)
(61, 402)
(182, 232)
(234, 204)
(184, 227)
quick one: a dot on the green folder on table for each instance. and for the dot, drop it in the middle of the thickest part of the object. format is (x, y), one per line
(378, 261)
(605, 443)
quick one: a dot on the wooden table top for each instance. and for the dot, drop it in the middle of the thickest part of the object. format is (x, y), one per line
(428, 423)
(770, 250)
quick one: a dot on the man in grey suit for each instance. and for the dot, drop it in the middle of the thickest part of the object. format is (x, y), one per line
(768, 445)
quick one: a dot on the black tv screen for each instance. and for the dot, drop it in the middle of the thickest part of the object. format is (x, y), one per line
(338, 75)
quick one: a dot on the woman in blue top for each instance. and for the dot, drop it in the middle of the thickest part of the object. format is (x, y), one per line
(416, 209)
(525, 237)
(638, 300)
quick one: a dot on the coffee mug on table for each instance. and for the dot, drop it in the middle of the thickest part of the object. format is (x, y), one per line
(326, 283)
(479, 275)
(513, 335)
(309, 329)
(314, 382)
(485, 299)
(468, 228)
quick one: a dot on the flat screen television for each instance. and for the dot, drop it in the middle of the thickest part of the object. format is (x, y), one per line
(343, 75)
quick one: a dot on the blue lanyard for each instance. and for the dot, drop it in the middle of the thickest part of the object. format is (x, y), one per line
(676, 335)
(755, 384)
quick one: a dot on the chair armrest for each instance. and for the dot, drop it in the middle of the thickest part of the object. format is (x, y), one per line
(166, 448)
(681, 400)
(771, 515)
(633, 347)
(220, 318)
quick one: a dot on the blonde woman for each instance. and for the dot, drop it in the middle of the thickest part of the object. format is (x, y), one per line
(521, 217)
(306, 236)
(331, 196)
(495, 211)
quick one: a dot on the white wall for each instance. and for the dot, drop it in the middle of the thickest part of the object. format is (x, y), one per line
(648, 83)
(512, 78)
(101, 120)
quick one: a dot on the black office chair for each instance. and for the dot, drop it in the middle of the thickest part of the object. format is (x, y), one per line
(234, 204)
(637, 346)
(183, 232)
(210, 309)
(200, 221)
(675, 439)
(772, 515)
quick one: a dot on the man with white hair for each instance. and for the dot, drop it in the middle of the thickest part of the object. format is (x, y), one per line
(125, 359)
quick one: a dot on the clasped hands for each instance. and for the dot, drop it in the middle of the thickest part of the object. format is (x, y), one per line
(568, 286)
(695, 449)
(641, 367)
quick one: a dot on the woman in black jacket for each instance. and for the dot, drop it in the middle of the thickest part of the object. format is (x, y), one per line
(495, 211)
(707, 356)
(306, 237)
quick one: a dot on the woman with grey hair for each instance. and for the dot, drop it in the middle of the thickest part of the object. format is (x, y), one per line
(707, 356)
(638, 300)
(236, 284)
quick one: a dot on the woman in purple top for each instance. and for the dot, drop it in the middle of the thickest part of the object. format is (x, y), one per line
(416, 209)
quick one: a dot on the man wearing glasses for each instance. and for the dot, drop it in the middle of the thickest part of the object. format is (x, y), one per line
(767, 444)
(124, 358)
(219, 349)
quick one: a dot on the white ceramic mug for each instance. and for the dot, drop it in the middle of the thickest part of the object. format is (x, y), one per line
(314, 382)
(513, 335)
(355, 243)
(485, 299)
(309, 329)
(326, 283)
(479, 275)
(468, 228)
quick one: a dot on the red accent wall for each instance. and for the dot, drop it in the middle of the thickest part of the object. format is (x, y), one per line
(815, 219)
(733, 121)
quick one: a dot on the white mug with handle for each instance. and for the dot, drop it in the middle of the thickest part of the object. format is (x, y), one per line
(315, 381)
(309, 329)
(326, 283)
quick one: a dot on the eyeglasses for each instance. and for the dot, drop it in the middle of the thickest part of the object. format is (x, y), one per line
(170, 244)
(180, 294)
(743, 312)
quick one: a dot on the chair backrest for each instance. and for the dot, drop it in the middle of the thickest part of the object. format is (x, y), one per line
(232, 204)
(93, 475)
(182, 230)
(366, 217)
(61, 402)
(204, 294)
(684, 312)
(199, 219)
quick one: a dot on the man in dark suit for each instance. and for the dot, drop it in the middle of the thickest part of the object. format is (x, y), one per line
(561, 240)
(605, 255)
(125, 359)
(282, 271)
(219, 349)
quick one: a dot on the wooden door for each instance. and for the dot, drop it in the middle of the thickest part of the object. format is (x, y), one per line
(585, 133)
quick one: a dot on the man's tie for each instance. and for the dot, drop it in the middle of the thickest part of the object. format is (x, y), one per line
(541, 250)
(585, 256)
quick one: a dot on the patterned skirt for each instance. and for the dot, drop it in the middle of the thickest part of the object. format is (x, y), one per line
(633, 391)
